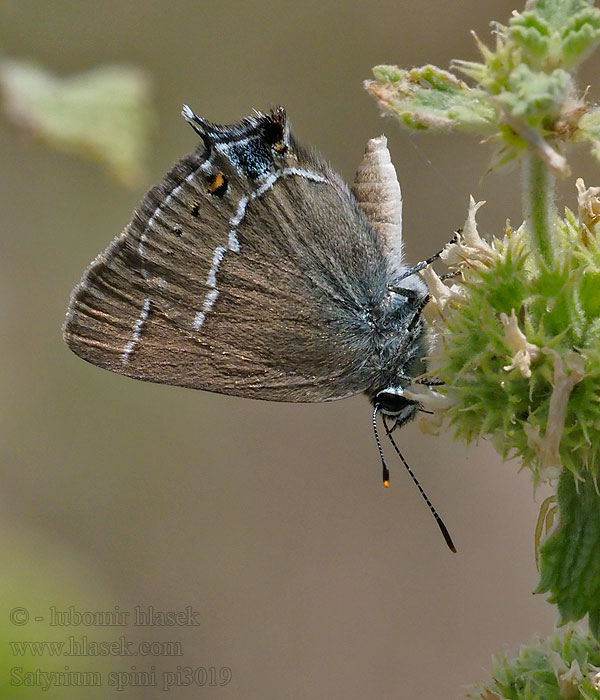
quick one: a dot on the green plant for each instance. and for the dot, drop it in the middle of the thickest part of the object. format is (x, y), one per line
(517, 331)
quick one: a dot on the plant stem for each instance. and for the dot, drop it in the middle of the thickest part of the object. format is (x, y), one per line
(538, 207)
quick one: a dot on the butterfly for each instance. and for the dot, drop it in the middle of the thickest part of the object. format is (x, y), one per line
(251, 269)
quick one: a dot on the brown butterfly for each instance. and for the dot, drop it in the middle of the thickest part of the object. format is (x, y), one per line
(251, 269)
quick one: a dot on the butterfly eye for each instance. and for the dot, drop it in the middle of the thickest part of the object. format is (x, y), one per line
(217, 184)
(393, 403)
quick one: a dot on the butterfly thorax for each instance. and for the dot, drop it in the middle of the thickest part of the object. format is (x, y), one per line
(399, 337)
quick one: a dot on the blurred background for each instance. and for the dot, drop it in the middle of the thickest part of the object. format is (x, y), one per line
(269, 521)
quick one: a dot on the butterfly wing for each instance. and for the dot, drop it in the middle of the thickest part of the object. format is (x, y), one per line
(248, 270)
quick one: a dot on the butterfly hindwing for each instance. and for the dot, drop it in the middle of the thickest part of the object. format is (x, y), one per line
(248, 270)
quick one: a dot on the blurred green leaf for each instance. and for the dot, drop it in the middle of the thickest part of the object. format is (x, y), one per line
(42, 572)
(104, 114)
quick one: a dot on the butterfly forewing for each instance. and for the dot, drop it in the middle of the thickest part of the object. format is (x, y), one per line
(229, 278)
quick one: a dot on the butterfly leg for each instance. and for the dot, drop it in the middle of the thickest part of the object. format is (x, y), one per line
(423, 301)
(430, 382)
(412, 295)
(421, 265)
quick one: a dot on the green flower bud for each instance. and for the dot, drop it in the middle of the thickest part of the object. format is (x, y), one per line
(563, 667)
(519, 343)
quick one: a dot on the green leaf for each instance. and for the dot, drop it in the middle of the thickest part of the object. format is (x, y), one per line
(556, 33)
(432, 98)
(569, 561)
(556, 13)
(580, 35)
(589, 125)
(532, 34)
(589, 130)
(535, 96)
(104, 114)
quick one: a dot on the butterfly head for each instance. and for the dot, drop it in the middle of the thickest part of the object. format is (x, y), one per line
(392, 402)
